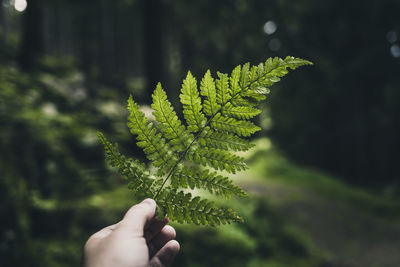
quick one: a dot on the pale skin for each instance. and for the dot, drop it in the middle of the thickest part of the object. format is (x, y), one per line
(139, 239)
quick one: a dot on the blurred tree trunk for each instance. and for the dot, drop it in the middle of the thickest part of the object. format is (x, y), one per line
(3, 23)
(155, 46)
(32, 45)
(108, 66)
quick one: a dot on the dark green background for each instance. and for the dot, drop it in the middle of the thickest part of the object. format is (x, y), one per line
(67, 68)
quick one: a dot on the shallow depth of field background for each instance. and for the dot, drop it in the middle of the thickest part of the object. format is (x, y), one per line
(323, 181)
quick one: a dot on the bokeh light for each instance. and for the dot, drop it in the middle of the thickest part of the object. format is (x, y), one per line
(270, 27)
(395, 50)
(20, 5)
(391, 36)
(274, 44)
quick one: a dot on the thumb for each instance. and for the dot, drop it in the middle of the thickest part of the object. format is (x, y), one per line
(137, 216)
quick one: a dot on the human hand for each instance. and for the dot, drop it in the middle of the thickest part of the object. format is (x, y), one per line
(140, 239)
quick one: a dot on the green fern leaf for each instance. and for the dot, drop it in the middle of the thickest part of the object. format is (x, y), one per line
(234, 80)
(169, 123)
(217, 118)
(148, 138)
(224, 140)
(192, 104)
(246, 102)
(217, 159)
(207, 89)
(231, 125)
(255, 95)
(132, 170)
(182, 208)
(224, 93)
(244, 76)
(194, 177)
(240, 112)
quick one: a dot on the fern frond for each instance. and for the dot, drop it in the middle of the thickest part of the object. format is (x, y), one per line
(193, 177)
(148, 138)
(169, 124)
(182, 208)
(192, 104)
(217, 117)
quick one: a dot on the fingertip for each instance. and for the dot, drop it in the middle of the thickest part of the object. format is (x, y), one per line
(174, 246)
(138, 215)
(170, 250)
(150, 202)
(169, 231)
(166, 254)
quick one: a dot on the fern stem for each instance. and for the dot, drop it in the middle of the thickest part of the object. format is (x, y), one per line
(176, 164)
(201, 131)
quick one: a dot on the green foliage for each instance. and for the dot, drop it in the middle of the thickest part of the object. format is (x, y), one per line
(265, 240)
(217, 117)
(49, 158)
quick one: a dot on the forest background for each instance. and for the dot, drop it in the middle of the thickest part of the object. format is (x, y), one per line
(323, 181)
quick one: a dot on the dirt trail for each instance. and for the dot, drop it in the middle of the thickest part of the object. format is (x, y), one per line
(348, 234)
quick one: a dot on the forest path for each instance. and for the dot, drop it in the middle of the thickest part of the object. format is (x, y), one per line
(352, 226)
